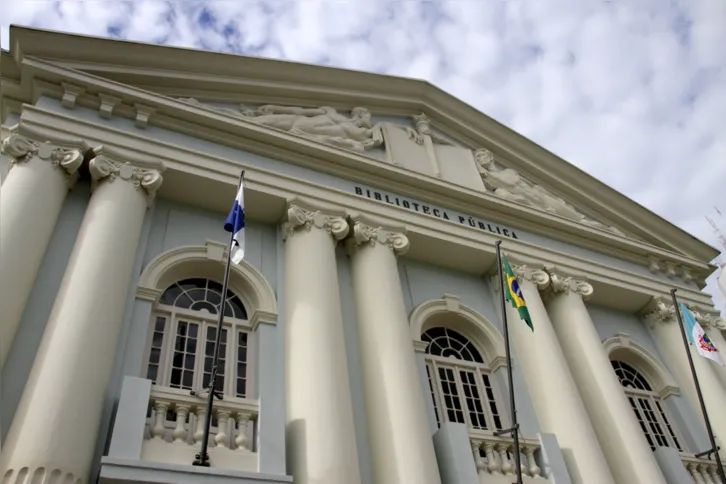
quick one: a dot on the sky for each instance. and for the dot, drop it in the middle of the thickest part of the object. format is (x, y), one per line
(632, 92)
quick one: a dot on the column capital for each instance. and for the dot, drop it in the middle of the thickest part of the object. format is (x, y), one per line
(363, 233)
(561, 284)
(145, 179)
(20, 149)
(303, 218)
(538, 277)
(658, 310)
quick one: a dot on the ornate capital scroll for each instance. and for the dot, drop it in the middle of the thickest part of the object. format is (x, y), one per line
(536, 276)
(21, 149)
(301, 219)
(565, 285)
(659, 310)
(366, 234)
(147, 180)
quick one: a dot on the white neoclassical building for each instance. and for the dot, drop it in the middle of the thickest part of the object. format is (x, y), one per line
(362, 337)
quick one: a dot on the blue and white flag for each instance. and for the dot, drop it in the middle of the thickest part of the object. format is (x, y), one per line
(696, 335)
(235, 223)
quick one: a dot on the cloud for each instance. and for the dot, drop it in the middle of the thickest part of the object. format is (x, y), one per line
(634, 93)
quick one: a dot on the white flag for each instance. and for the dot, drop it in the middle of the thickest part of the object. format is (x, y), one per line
(696, 335)
(235, 223)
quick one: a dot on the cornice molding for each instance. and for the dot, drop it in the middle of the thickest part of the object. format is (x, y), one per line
(174, 109)
(224, 173)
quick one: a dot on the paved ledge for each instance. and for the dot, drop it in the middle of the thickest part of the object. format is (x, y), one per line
(129, 471)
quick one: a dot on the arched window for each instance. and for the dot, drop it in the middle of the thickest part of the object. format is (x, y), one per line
(459, 381)
(182, 336)
(648, 407)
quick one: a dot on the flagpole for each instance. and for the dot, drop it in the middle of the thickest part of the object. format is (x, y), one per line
(202, 458)
(512, 408)
(714, 448)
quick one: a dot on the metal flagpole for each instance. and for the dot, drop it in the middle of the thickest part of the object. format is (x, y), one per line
(513, 410)
(202, 458)
(714, 448)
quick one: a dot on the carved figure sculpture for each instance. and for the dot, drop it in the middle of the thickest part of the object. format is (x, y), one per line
(508, 183)
(323, 124)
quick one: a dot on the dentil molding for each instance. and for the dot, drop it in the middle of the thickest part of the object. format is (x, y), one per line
(366, 234)
(302, 219)
(21, 149)
(146, 179)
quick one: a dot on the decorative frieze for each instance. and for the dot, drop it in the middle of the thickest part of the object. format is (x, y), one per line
(105, 169)
(561, 284)
(301, 219)
(22, 149)
(366, 234)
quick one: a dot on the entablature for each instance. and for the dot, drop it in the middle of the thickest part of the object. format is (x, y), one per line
(208, 181)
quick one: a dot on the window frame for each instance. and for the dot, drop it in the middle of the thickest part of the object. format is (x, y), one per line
(434, 362)
(663, 419)
(172, 315)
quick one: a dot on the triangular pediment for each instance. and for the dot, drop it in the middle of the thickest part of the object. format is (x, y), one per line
(414, 143)
(405, 124)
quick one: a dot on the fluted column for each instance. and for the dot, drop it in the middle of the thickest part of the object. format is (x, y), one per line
(54, 432)
(622, 440)
(31, 199)
(554, 395)
(401, 446)
(661, 318)
(321, 438)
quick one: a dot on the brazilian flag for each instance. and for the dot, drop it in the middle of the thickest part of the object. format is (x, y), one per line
(514, 295)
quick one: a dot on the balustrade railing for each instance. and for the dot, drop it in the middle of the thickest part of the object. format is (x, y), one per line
(494, 455)
(177, 417)
(702, 471)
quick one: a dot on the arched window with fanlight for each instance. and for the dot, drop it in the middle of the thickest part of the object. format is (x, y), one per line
(648, 407)
(460, 381)
(183, 332)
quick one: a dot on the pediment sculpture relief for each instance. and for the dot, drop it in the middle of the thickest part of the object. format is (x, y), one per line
(509, 184)
(423, 128)
(323, 124)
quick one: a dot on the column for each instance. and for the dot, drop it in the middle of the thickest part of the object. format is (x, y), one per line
(321, 439)
(55, 428)
(31, 199)
(617, 428)
(554, 395)
(662, 320)
(402, 450)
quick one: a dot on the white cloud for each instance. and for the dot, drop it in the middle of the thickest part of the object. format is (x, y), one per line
(634, 93)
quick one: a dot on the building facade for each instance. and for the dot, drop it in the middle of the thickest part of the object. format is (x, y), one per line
(362, 339)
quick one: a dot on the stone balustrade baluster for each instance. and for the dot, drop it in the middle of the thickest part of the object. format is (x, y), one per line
(507, 465)
(201, 420)
(159, 419)
(695, 473)
(533, 469)
(703, 469)
(478, 460)
(222, 439)
(180, 431)
(241, 441)
(493, 463)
